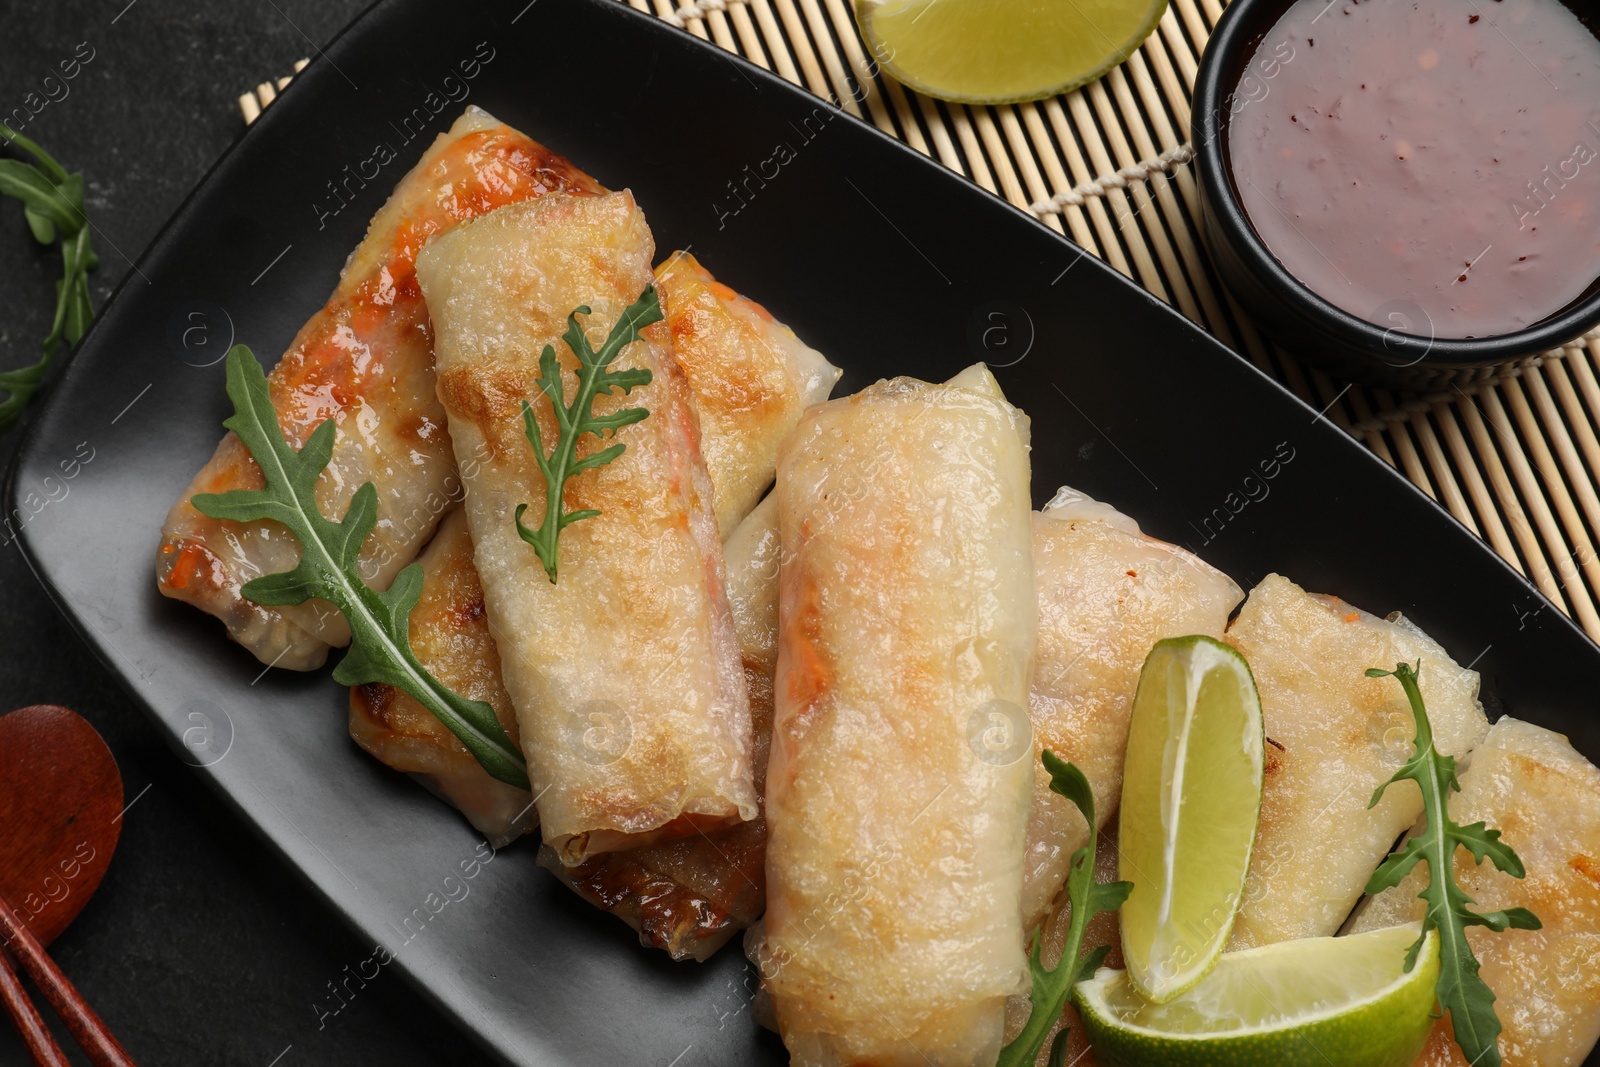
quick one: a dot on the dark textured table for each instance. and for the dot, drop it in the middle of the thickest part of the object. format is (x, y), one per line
(199, 947)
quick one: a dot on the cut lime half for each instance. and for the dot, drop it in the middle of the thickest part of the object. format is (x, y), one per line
(1308, 1003)
(1191, 797)
(1003, 51)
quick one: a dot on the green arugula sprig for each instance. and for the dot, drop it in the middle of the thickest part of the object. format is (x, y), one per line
(1051, 987)
(380, 637)
(578, 418)
(52, 203)
(1467, 996)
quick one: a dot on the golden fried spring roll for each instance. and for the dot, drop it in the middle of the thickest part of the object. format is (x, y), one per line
(1334, 735)
(625, 673)
(900, 777)
(750, 375)
(450, 635)
(1107, 593)
(366, 361)
(689, 896)
(750, 378)
(1544, 798)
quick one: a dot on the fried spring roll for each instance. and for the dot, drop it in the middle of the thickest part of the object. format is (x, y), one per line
(900, 780)
(450, 635)
(689, 896)
(750, 375)
(1333, 736)
(750, 378)
(365, 360)
(1544, 798)
(1107, 593)
(625, 673)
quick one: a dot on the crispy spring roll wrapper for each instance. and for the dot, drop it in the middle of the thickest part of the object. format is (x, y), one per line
(450, 635)
(751, 378)
(626, 673)
(1334, 735)
(1107, 593)
(1544, 798)
(900, 782)
(365, 360)
(689, 896)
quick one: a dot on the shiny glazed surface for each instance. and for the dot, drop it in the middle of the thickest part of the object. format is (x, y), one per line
(750, 375)
(365, 360)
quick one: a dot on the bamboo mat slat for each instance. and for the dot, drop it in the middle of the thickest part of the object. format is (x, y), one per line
(1513, 456)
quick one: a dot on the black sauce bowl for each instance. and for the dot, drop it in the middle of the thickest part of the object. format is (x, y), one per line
(1404, 353)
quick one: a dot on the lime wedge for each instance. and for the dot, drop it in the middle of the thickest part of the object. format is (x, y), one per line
(1309, 1003)
(1191, 795)
(1003, 51)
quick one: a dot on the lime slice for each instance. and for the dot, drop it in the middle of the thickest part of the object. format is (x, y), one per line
(1191, 795)
(1002, 51)
(1343, 1000)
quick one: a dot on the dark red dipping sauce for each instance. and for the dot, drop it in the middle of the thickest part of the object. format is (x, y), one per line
(1437, 153)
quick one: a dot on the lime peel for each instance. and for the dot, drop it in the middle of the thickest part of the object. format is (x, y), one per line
(1384, 1026)
(1003, 51)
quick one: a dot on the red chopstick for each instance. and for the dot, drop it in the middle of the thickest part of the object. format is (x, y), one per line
(40, 1042)
(84, 1025)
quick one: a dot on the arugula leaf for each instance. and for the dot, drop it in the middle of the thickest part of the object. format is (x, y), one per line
(52, 204)
(578, 418)
(1051, 987)
(380, 636)
(1468, 997)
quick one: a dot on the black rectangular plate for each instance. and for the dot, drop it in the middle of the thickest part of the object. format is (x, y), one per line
(876, 255)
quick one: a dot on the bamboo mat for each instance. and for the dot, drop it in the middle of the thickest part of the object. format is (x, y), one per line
(1513, 457)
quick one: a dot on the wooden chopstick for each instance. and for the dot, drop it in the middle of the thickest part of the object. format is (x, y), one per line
(84, 1025)
(41, 1043)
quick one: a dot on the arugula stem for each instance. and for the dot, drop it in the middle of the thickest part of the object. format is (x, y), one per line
(1023, 1050)
(595, 378)
(380, 646)
(560, 463)
(362, 609)
(1461, 990)
(56, 172)
(52, 202)
(431, 694)
(1052, 986)
(1439, 845)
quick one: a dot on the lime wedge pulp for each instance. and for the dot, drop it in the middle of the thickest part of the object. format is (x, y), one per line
(1003, 51)
(1191, 797)
(1308, 1003)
